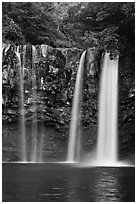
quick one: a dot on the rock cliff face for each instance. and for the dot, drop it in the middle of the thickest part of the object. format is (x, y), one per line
(54, 72)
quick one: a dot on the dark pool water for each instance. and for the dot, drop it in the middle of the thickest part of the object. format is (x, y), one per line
(51, 182)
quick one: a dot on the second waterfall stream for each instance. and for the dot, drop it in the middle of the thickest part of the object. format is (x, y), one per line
(107, 147)
(74, 136)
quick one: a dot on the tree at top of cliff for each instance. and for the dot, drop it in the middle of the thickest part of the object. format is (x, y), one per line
(110, 23)
(38, 21)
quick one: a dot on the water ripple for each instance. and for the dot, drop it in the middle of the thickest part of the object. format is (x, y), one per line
(51, 194)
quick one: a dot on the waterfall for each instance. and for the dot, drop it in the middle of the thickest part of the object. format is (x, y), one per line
(74, 137)
(107, 130)
(34, 121)
(22, 108)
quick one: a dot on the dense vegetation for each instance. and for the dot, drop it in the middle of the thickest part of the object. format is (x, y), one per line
(107, 25)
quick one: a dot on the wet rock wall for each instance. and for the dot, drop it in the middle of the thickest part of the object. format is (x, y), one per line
(55, 75)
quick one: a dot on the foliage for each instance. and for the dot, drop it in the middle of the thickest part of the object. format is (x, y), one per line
(39, 22)
(110, 25)
(106, 25)
(11, 31)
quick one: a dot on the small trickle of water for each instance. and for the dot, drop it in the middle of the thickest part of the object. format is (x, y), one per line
(34, 122)
(74, 140)
(22, 108)
(108, 99)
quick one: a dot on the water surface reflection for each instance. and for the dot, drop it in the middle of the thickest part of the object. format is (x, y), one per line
(65, 183)
(107, 187)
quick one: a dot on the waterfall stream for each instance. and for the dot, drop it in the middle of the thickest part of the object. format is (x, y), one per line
(74, 134)
(22, 108)
(108, 99)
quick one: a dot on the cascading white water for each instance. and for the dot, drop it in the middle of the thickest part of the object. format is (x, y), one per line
(34, 121)
(22, 108)
(108, 99)
(36, 147)
(74, 140)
